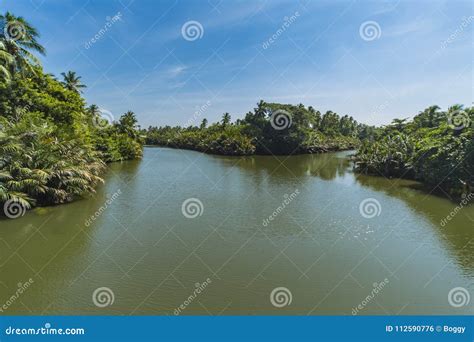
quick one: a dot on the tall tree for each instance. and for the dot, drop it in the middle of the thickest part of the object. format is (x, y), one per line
(72, 81)
(6, 61)
(128, 124)
(93, 110)
(19, 39)
(225, 120)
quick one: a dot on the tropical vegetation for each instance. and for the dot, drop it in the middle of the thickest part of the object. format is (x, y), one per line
(53, 148)
(271, 128)
(436, 148)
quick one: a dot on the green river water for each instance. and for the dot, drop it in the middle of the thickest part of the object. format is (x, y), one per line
(332, 254)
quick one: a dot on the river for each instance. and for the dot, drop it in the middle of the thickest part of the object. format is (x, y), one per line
(181, 232)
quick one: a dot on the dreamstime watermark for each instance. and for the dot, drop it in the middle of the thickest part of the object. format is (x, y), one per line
(104, 119)
(281, 297)
(200, 110)
(288, 199)
(464, 23)
(377, 287)
(192, 30)
(458, 208)
(280, 119)
(103, 297)
(369, 208)
(458, 297)
(459, 119)
(37, 3)
(110, 21)
(46, 330)
(14, 30)
(22, 287)
(192, 208)
(14, 209)
(370, 30)
(103, 208)
(199, 288)
(287, 21)
(376, 111)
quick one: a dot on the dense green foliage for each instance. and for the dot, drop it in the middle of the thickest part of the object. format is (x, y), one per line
(271, 128)
(435, 148)
(52, 148)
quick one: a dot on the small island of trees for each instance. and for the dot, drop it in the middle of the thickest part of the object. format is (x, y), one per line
(271, 128)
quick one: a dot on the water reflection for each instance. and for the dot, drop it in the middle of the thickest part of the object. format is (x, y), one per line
(457, 234)
(325, 166)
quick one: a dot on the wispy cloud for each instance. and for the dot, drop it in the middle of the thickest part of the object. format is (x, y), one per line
(176, 70)
(415, 26)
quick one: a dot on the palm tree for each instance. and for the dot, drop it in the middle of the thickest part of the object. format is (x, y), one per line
(430, 117)
(6, 61)
(72, 82)
(225, 119)
(398, 124)
(93, 110)
(128, 124)
(203, 124)
(18, 38)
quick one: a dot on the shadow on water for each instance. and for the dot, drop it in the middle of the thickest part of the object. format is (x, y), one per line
(325, 166)
(456, 234)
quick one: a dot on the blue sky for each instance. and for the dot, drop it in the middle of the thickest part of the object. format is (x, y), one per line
(422, 54)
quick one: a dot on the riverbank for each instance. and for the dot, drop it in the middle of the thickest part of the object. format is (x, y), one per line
(220, 150)
(271, 129)
(435, 148)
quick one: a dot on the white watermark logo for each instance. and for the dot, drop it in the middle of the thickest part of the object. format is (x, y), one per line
(13, 209)
(198, 113)
(110, 21)
(192, 208)
(459, 297)
(369, 208)
(103, 297)
(281, 119)
(281, 297)
(199, 288)
(102, 208)
(454, 212)
(464, 23)
(14, 30)
(287, 21)
(458, 120)
(22, 287)
(288, 199)
(192, 30)
(370, 30)
(377, 287)
(104, 119)
(47, 329)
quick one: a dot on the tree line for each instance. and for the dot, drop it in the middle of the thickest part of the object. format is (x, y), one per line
(271, 128)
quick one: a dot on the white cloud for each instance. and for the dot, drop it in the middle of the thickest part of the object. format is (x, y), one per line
(176, 70)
